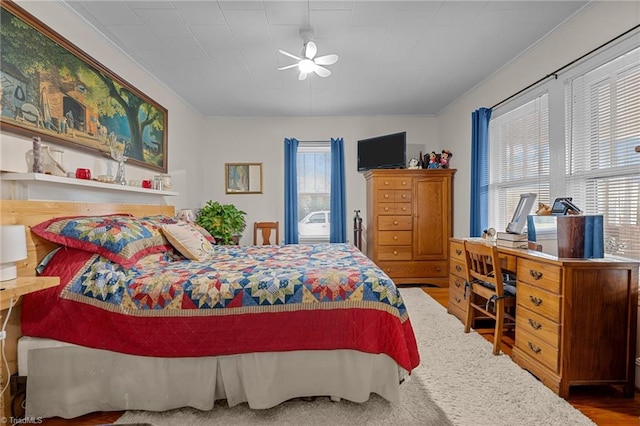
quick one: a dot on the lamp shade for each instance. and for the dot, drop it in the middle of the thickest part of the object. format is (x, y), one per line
(13, 247)
(186, 214)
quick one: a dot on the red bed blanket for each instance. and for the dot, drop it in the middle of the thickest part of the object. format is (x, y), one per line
(245, 299)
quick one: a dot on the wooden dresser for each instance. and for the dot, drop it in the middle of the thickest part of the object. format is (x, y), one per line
(409, 215)
(575, 319)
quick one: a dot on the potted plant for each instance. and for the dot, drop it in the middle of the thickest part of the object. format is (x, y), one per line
(225, 222)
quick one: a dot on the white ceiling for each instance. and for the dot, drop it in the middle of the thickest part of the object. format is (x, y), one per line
(396, 57)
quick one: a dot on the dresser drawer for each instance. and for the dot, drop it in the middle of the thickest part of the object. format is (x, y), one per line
(541, 275)
(410, 269)
(538, 326)
(457, 284)
(393, 183)
(456, 250)
(539, 301)
(394, 253)
(395, 195)
(538, 350)
(457, 267)
(394, 209)
(456, 295)
(388, 238)
(395, 223)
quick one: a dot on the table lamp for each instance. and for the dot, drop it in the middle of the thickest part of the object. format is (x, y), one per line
(13, 247)
(186, 214)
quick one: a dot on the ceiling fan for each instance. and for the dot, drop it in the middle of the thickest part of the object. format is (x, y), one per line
(309, 62)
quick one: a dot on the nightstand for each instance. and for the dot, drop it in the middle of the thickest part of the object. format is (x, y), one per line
(21, 286)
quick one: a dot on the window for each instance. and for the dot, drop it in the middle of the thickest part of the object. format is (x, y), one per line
(602, 169)
(575, 138)
(519, 143)
(314, 190)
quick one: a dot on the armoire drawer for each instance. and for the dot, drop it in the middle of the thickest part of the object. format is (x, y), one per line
(395, 252)
(394, 183)
(389, 238)
(409, 269)
(394, 208)
(395, 223)
(395, 195)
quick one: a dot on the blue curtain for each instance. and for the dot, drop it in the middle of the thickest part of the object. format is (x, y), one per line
(338, 207)
(290, 191)
(479, 171)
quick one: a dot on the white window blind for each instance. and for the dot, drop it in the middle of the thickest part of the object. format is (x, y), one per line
(602, 169)
(518, 158)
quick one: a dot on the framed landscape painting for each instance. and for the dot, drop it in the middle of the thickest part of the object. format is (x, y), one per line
(52, 89)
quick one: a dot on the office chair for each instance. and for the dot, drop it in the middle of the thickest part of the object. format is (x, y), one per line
(486, 291)
(266, 228)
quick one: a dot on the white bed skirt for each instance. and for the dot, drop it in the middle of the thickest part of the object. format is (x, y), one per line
(69, 381)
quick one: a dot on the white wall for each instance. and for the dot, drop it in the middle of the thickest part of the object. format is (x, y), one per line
(236, 140)
(185, 128)
(586, 31)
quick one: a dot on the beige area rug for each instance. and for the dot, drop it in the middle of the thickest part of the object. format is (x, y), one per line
(458, 382)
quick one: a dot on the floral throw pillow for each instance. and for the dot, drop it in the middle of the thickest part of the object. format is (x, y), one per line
(188, 240)
(120, 238)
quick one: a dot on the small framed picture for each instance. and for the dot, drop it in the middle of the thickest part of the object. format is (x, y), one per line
(243, 178)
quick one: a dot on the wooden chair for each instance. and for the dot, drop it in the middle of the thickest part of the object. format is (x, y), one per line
(266, 228)
(485, 290)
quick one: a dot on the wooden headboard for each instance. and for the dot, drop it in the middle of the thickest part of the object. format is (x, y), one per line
(30, 213)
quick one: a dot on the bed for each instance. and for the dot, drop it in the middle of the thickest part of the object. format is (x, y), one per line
(154, 330)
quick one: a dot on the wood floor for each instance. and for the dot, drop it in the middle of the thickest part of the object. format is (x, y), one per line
(605, 405)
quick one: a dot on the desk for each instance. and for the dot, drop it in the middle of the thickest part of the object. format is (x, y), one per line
(575, 318)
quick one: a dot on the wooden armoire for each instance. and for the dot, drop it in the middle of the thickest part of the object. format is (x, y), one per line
(409, 223)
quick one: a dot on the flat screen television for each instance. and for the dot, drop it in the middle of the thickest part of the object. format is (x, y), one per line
(383, 152)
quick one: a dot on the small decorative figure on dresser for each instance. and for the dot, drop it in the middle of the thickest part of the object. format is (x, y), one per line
(37, 155)
(413, 164)
(445, 158)
(421, 161)
(433, 161)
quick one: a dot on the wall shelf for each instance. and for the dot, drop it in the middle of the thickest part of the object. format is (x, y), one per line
(39, 186)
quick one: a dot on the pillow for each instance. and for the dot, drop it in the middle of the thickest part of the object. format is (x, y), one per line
(188, 240)
(119, 238)
(166, 220)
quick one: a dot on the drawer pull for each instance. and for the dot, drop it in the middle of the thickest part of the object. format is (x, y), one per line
(386, 209)
(458, 268)
(395, 252)
(536, 275)
(534, 348)
(458, 284)
(395, 222)
(535, 300)
(386, 195)
(404, 195)
(386, 182)
(404, 209)
(534, 324)
(458, 252)
(404, 183)
(457, 299)
(395, 238)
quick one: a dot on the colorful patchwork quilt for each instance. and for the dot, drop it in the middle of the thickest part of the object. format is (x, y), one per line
(244, 299)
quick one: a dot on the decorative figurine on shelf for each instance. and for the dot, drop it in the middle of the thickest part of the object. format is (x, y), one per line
(118, 155)
(543, 209)
(433, 161)
(413, 164)
(444, 158)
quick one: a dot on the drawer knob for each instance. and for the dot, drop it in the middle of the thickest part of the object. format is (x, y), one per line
(386, 195)
(395, 252)
(535, 300)
(395, 222)
(404, 195)
(404, 183)
(534, 324)
(458, 252)
(458, 268)
(404, 209)
(536, 275)
(458, 284)
(386, 209)
(534, 348)
(457, 299)
(395, 238)
(386, 182)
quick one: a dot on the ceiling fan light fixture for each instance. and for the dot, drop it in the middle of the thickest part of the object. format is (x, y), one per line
(306, 66)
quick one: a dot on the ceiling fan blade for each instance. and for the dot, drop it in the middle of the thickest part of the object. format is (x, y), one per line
(326, 59)
(302, 76)
(322, 71)
(289, 54)
(287, 67)
(311, 50)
